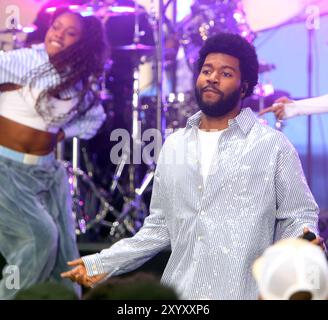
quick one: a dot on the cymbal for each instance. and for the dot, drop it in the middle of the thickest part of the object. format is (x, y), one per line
(113, 11)
(136, 47)
(99, 11)
(11, 31)
(266, 67)
(19, 29)
(83, 10)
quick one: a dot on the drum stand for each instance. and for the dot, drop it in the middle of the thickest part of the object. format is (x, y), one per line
(83, 223)
(75, 192)
(134, 210)
(72, 178)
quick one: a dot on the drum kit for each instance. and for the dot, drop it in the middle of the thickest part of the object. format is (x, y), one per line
(116, 206)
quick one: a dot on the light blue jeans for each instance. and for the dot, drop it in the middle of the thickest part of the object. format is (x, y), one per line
(37, 232)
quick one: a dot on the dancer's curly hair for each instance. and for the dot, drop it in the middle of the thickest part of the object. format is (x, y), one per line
(80, 64)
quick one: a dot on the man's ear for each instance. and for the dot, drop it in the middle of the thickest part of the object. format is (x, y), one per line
(244, 89)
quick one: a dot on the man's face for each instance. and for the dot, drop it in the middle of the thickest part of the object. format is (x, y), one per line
(218, 87)
(65, 31)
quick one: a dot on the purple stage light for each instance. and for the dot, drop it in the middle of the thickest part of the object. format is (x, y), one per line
(51, 10)
(29, 29)
(238, 16)
(122, 9)
(264, 90)
(73, 7)
(86, 14)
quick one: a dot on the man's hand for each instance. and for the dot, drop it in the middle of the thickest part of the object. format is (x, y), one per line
(60, 135)
(317, 241)
(278, 108)
(79, 274)
(9, 87)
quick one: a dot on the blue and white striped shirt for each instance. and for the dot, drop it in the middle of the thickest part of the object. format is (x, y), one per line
(16, 66)
(255, 194)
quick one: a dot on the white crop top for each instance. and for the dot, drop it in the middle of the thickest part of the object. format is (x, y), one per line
(19, 106)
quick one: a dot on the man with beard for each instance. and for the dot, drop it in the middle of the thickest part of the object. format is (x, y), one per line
(226, 187)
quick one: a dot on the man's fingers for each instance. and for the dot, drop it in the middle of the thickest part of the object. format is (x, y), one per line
(78, 263)
(91, 281)
(79, 275)
(66, 274)
(75, 276)
(77, 271)
(75, 262)
(83, 280)
(69, 274)
(306, 230)
(317, 241)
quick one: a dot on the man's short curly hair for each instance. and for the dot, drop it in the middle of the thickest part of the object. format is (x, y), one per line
(238, 47)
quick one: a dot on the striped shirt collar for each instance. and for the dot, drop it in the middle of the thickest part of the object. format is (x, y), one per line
(245, 120)
(41, 49)
(38, 46)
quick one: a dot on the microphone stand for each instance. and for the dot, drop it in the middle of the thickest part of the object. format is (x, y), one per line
(159, 42)
(310, 95)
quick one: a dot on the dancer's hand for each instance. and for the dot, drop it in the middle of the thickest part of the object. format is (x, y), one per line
(278, 108)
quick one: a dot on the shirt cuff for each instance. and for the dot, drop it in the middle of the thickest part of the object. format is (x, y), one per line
(93, 264)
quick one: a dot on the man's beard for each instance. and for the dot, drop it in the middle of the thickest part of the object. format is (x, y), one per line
(220, 108)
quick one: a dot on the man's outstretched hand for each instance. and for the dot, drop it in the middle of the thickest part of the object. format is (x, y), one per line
(79, 274)
(317, 240)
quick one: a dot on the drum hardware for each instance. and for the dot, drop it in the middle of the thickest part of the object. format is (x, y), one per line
(19, 29)
(79, 181)
(88, 164)
(104, 93)
(3, 44)
(117, 10)
(134, 206)
(13, 32)
(84, 10)
(208, 18)
(86, 220)
(266, 67)
(119, 168)
(264, 90)
(137, 47)
(134, 209)
(99, 9)
(178, 107)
